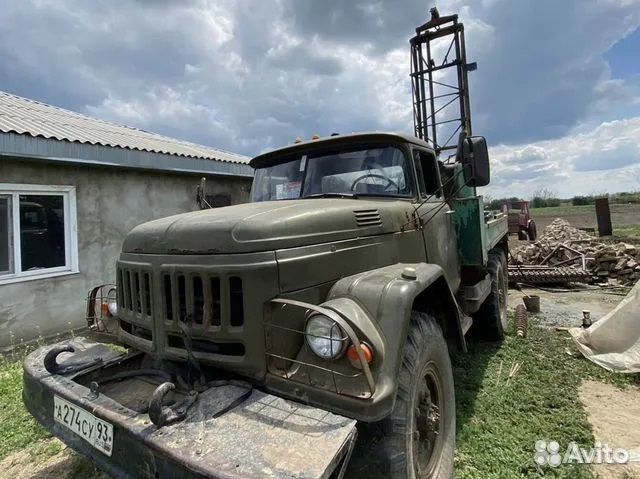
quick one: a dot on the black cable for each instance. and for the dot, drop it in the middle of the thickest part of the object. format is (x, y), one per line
(437, 210)
(193, 365)
(422, 203)
(235, 403)
(442, 187)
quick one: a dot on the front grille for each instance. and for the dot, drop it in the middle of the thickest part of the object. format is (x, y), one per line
(202, 299)
(135, 330)
(208, 346)
(158, 295)
(135, 292)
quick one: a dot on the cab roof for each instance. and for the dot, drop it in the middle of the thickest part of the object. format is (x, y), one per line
(335, 141)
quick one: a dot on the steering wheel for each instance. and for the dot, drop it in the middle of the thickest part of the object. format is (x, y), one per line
(390, 182)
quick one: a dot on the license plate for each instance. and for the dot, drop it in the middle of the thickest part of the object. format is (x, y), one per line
(95, 431)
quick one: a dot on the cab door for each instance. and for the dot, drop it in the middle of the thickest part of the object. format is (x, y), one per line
(435, 209)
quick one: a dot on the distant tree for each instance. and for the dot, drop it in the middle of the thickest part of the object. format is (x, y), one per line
(496, 204)
(543, 198)
(538, 202)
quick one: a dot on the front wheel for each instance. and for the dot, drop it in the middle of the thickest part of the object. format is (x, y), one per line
(417, 440)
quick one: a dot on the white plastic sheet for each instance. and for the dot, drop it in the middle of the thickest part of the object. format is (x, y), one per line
(614, 341)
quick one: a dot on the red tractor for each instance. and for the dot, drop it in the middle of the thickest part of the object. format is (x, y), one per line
(520, 222)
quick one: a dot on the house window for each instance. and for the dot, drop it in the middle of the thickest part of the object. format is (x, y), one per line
(38, 232)
(217, 201)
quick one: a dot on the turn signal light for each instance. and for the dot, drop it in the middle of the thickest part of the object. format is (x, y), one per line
(352, 355)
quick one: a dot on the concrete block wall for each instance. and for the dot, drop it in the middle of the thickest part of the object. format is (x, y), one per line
(110, 202)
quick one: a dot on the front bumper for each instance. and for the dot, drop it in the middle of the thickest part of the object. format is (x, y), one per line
(263, 436)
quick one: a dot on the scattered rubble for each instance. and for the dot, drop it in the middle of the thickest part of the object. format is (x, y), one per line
(563, 245)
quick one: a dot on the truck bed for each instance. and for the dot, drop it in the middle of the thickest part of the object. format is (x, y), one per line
(477, 232)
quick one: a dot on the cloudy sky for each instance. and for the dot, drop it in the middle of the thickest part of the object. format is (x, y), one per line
(556, 93)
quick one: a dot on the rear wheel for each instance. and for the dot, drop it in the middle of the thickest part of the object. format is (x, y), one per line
(490, 322)
(532, 231)
(417, 440)
(522, 235)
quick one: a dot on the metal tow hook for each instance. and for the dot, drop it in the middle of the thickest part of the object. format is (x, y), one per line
(52, 366)
(163, 415)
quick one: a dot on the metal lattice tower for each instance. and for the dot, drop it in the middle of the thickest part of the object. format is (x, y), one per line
(439, 82)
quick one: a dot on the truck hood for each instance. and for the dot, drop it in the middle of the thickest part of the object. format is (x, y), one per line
(268, 226)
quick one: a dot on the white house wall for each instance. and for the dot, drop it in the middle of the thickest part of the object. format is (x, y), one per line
(110, 202)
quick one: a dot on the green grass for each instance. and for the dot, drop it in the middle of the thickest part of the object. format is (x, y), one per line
(562, 210)
(499, 420)
(627, 231)
(18, 429)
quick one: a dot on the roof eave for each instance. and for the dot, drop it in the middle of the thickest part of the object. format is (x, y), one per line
(28, 147)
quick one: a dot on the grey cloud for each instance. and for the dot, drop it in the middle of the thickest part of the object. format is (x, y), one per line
(303, 57)
(542, 70)
(384, 25)
(603, 158)
(608, 159)
(246, 75)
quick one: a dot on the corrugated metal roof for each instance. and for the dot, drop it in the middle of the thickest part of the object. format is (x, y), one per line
(29, 117)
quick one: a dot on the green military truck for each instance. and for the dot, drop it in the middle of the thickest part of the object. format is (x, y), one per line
(304, 334)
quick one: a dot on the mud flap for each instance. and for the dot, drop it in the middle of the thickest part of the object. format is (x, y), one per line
(226, 433)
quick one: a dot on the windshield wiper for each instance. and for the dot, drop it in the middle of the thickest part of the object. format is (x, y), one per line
(384, 195)
(331, 195)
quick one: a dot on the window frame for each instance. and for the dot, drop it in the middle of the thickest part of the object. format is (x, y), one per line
(68, 193)
(417, 153)
(314, 152)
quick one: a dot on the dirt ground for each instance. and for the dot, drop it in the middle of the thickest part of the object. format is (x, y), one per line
(615, 416)
(565, 308)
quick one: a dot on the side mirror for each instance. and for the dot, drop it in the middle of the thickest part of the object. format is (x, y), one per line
(475, 161)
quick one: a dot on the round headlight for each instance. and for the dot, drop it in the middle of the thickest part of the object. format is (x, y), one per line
(325, 338)
(113, 308)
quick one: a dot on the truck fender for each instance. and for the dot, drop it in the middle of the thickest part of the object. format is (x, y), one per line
(388, 295)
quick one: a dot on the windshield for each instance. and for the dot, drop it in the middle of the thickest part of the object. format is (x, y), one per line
(381, 171)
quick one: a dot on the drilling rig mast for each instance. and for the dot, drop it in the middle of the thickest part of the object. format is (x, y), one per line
(441, 110)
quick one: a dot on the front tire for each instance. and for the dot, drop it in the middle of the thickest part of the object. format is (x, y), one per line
(417, 440)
